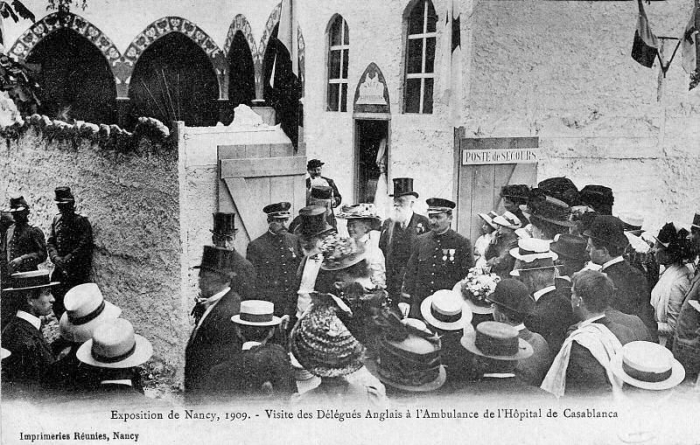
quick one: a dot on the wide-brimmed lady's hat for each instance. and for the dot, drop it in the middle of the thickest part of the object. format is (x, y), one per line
(598, 197)
(34, 279)
(518, 193)
(63, 194)
(496, 340)
(509, 220)
(17, 204)
(446, 310)
(86, 309)
(561, 188)
(341, 253)
(115, 345)
(607, 229)
(363, 212)
(487, 219)
(648, 366)
(256, 313)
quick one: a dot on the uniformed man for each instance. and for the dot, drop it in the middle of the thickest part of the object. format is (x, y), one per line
(276, 257)
(439, 259)
(70, 247)
(242, 271)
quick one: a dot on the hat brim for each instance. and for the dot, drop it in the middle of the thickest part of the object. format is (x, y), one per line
(143, 352)
(82, 333)
(345, 264)
(398, 195)
(274, 322)
(453, 326)
(63, 201)
(562, 254)
(552, 220)
(4, 354)
(375, 221)
(515, 253)
(501, 221)
(468, 341)
(436, 384)
(487, 219)
(475, 308)
(15, 210)
(677, 376)
(14, 289)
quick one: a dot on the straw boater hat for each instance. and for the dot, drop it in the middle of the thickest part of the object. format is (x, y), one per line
(5, 353)
(496, 340)
(256, 313)
(34, 279)
(446, 310)
(114, 345)
(509, 220)
(532, 249)
(86, 309)
(279, 210)
(364, 212)
(517, 193)
(647, 365)
(17, 204)
(487, 219)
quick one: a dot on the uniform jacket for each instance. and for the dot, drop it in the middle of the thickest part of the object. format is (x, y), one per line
(337, 199)
(21, 241)
(396, 244)
(436, 262)
(31, 358)
(498, 254)
(71, 239)
(551, 318)
(276, 259)
(533, 369)
(215, 341)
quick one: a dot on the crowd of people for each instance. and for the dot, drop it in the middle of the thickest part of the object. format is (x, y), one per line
(580, 302)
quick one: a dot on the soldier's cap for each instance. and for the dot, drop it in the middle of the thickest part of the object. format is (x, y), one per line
(278, 210)
(440, 205)
(17, 204)
(63, 194)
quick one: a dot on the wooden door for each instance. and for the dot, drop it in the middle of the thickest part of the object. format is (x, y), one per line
(253, 176)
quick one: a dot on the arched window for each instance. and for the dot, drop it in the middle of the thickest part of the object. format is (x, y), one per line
(242, 75)
(338, 51)
(420, 58)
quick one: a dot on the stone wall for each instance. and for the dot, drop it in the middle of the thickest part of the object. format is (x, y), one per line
(132, 202)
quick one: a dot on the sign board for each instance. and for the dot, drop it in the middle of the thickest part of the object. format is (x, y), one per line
(371, 94)
(503, 156)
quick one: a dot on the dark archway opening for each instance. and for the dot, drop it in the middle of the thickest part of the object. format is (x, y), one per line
(174, 80)
(242, 72)
(75, 78)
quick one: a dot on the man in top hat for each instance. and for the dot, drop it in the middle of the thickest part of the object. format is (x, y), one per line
(598, 197)
(23, 246)
(606, 244)
(398, 234)
(276, 257)
(362, 220)
(498, 258)
(313, 167)
(243, 280)
(439, 259)
(32, 357)
(515, 195)
(70, 247)
(214, 337)
(511, 305)
(261, 368)
(551, 316)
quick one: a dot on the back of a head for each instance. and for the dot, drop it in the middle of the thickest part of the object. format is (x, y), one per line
(594, 288)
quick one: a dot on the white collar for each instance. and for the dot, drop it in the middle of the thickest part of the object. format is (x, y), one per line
(250, 345)
(520, 327)
(218, 296)
(541, 292)
(615, 260)
(591, 320)
(33, 320)
(124, 382)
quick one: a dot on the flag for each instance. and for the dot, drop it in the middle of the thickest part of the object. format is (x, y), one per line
(688, 44)
(451, 67)
(646, 46)
(287, 37)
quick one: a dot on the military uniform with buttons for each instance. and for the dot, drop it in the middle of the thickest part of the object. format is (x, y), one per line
(23, 247)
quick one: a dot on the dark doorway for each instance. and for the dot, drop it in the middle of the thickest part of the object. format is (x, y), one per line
(241, 74)
(75, 79)
(174, 80)
(369, 134)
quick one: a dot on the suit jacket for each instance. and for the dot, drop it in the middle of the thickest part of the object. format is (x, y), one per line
(276, 259)
(551, 318)
(244, 278)
(21, 241)
(436, 262)
(337, 199)
(584, 374)
(31, 358)
(632, 295)
(71, 239)
(214, 342)
(634, 323)
(533, 369)
(396, 244)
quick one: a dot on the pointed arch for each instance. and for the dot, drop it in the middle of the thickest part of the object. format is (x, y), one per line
(240, 23)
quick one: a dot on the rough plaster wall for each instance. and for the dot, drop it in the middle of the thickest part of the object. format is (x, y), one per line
(132, 203)
(563, 71)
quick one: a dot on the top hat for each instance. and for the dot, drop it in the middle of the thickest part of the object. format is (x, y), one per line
(561, 188)
(446, 310)
(648, 366)
(598, 197)
(403, 187)
(313, 164)
(313, 222)
(278, 210)
(509, 220)
(516, 192)
(548, 208)
(256, 313)
(696, 221)
(218, 260)
(86, 309)
(34, 279)
(608, 229)
(531, 249)
(115, 345)
(63, 194)
(513, 295)
(341, 254)
(367, 212)
(17, 204)
(440, 205)
(496, 340)
(569, 246)
(224, 224)
(321, 192)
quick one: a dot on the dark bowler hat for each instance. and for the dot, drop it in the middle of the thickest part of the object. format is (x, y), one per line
(224, 224)
(516, 192)
(313, 222)
(599, 197)
(17, 204)
(218, 260)
(561, 188)
(313, 164)
(440, 205)
(569, 246)
(512, 295)
(63, 194)
(321, 192)
(279, 210)
(696, 221)
(34, 279)
(403, 187)
(608, 229)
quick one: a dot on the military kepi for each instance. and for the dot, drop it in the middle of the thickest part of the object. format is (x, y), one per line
(440, 205)
(63, 194)
(278, 210)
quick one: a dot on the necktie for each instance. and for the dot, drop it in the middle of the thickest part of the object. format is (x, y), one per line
(198, 311)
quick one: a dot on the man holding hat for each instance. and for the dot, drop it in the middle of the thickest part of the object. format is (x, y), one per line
(242, 271)
(313, 167)
(399, 233)
(275, 256)
(439, 259)
(606, 244)
(70, 247)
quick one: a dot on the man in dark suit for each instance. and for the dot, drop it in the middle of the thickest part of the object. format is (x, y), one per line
(313, 167)
(439, 259)
(606, 244)
(276, 257)
(214, 338)
(398, 234)
(242, 271)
